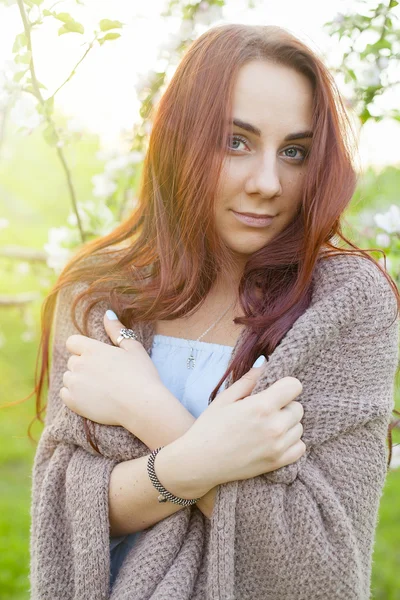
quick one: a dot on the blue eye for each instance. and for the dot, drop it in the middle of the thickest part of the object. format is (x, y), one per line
(243, 140)
(297, 150)
(240, 139)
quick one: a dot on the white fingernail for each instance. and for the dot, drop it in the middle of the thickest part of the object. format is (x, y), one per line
(260, 361)
(111, 315)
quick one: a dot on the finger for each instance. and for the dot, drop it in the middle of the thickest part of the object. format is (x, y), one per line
(113, 328)
(67, 378)
(78, 344)
(240, 388)
(284, 391)
(65, 396)
(279, 394)
(74, 362)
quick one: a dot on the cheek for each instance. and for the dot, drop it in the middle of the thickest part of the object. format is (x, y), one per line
(231, 180)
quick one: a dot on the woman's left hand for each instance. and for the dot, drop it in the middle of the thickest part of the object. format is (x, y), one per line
(105, 383)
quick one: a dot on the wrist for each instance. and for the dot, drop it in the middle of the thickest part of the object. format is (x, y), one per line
(178, 473)
(163, 424)
(207, 502)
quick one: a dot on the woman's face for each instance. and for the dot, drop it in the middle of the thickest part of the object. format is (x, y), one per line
(263, 172)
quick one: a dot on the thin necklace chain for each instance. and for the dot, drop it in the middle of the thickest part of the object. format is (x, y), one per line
(191, 361)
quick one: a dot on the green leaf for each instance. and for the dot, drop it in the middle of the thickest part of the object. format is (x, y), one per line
(20, 42)
(37, 2)
(18, 76)
(383, 44)
(40, 85)
(47, 13)
(64, 17)
(108, 36)
(352, 74)
(107, 24)
(71, 27)
(48, 105)
(24, 59)
(365, 115)
(50, 135)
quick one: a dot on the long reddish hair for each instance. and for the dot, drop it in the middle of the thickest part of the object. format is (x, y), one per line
(167, 254)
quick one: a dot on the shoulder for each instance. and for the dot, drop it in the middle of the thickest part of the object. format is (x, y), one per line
(76, 284)
(356, 275)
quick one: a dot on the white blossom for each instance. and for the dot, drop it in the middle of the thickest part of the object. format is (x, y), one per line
(383, 240)
(28, 336)
(382, 62)
(4, 93)
(371, 76)
(105, 155)
(105, 221)
(206, 15)
(28, 318)
(185, 29)
(143, 80)
(122, 162)
(96, 217)
(170, 43)
(11, 67)
(57, 255)
(4, 98)
(23, 268)
(103, 185)
(44, 281)
(8, 87)
(390, 220)
(75, 125)
(148, 126)
(395, 461)
(84, 217)
(4, 223)
(24, 113)
(58, 234)
(34, 13)
(339, 18)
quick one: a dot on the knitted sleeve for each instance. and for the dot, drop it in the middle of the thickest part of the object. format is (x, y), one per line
(69, 491)
(306, 530)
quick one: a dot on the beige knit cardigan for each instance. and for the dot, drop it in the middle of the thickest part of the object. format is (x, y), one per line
(302, 532)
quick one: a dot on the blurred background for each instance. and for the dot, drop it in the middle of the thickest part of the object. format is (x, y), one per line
(78, 80)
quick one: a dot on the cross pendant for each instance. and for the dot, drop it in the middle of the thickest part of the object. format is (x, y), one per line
(191, 362)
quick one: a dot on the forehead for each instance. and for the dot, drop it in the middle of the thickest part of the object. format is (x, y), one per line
(273, 97)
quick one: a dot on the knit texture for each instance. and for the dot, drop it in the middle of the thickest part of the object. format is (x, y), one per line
(304, 531)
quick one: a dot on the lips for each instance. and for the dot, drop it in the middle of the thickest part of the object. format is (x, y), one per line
(253, 221)
(255, 215)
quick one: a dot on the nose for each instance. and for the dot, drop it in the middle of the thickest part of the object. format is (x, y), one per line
(264, 177)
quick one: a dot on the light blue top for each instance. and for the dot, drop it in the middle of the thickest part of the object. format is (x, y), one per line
(192, 387)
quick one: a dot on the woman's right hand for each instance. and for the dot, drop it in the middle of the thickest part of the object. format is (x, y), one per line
(240, 436)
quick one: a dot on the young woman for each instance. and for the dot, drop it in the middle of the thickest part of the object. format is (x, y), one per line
(168, 466)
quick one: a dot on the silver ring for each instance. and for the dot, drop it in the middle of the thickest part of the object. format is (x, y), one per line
(126, 334)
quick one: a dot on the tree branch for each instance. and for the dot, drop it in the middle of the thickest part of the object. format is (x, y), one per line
(38, 94)
(75, 67)
(24, 254)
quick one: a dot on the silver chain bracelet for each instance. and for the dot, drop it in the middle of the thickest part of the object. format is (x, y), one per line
(164, 494)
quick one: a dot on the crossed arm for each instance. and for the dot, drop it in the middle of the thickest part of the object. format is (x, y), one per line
(133, 500)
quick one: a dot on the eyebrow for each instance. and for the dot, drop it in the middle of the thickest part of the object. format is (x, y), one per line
(253, 129)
